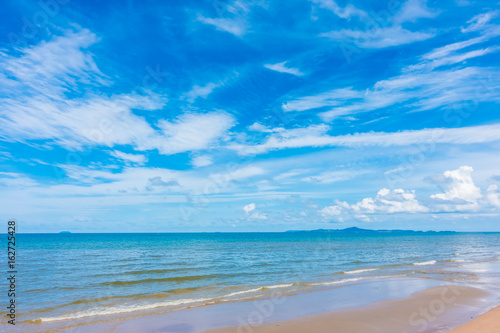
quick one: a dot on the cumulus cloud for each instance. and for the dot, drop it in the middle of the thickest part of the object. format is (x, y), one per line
(460, 191)
(331, 211)
(387, 201)
(492, 197)
(248, 208)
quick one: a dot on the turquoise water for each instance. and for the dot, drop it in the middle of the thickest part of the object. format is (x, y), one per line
(99, 277)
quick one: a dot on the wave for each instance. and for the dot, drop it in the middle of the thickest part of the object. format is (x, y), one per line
(169, 279)
(151, 271)
(356, 279)
(121, 309)
(277, 286)
(101, 311)
(430, 262)
(243, 292)
(357, 271)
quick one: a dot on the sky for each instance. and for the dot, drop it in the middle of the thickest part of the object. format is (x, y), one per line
(237, 116)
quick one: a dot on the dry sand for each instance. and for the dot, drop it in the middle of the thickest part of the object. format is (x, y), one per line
(487, 323)
(436, 309)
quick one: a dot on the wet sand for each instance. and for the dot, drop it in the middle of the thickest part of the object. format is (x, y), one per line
(402, 306)
(437, 309)
(486, 323)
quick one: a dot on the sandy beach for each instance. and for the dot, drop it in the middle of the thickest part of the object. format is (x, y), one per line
(437, 309)
(487, 323)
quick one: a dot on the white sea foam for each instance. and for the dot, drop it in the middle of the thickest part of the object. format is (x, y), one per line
(243, 292)
(357, 271)
(125, 309)
(276, 286)
(430, 262)
(356, 279)
(122, 309)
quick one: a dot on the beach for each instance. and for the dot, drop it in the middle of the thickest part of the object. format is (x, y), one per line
(195, 283)
(436, 309)
(486, 323)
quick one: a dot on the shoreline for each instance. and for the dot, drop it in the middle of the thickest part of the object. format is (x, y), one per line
(376, 306)
(488, 322)
(436, 309)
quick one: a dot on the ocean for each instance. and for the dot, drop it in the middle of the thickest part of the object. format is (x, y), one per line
(65, 279)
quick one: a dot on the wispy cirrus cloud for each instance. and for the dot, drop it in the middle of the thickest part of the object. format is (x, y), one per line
(200, 91)
(315, 136)
(438, 79)
(36, 105)
(281, 67)
(134, 158)
(380, 32)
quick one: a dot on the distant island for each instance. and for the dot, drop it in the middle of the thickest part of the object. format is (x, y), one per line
(355, 230)
(65, 232)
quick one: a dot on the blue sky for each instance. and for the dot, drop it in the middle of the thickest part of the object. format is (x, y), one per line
(149, 116)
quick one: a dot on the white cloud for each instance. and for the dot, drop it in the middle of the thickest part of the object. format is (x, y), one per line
(233, 16)
(492, 197)
(139, 159)
(479, 21)
(329, 98)
(421, 87)
(331, 211)
(419, 91)
(461, 192)
(452, 59)
(52, 67)
(16, 180)
(201, 161)
(314, 136)
(280, 67)
(36, 106)
(200, 91)
(332, 177)
(378, 38)
(362, 217)
(256, 127)
(192, 132)
(387, 202)
(244, 172)
(383, 31)
(343, 12)
(258, 216)
(248, 208)
(236, 27)
(413, 10)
